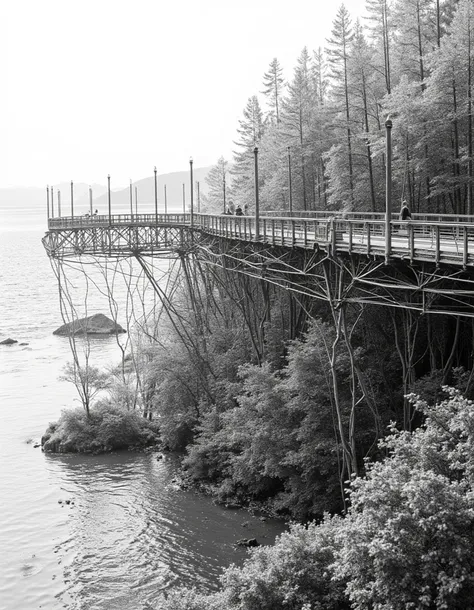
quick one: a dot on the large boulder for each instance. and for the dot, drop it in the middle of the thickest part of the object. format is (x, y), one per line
(8, 341)
(98, 324)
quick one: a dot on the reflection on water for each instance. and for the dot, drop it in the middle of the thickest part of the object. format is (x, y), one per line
(133, 532)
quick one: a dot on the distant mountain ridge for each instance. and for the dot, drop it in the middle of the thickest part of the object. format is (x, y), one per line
(34, 199)
(145, 193)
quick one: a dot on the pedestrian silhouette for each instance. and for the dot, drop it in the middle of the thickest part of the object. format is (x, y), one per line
(405, 213)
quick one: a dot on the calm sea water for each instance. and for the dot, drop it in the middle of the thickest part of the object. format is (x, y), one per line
(128, 531)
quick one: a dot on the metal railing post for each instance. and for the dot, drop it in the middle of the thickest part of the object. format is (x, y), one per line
(257, 205)
(109, 200)
(156, 198)
(388, 189)
(192, 191)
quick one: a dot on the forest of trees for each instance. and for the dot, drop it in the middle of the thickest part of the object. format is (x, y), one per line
(410, 59)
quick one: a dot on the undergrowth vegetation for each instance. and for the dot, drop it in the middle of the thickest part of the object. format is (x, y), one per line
(405, 542)
(106, 428)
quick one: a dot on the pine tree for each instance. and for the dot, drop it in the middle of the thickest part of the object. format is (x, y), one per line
(338, 54)
(216, 180)
(320, 76)
(380, 29)
(364, 95)
(273, 83)
(297, 117)
(250, 131)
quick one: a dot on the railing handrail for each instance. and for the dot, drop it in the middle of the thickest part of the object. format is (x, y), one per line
(184, 219)
(416, 239)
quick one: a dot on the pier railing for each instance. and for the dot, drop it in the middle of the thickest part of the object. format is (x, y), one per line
(428, 237)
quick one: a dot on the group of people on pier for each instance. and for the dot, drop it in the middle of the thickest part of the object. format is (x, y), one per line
(238, 210)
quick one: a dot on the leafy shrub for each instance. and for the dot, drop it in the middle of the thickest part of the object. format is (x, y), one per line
(108, 428)
(294, 574)
(406, 541)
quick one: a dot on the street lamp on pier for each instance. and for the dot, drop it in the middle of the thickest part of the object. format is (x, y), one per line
(257, 206)
(223, 186)
(109, 200)
(289, 183)
(156, 197)
(388, 188)
(192, 189)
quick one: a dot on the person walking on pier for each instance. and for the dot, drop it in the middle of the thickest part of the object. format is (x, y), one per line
(238, 211)
(405, 213)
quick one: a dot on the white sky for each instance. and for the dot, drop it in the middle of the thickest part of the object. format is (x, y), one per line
(93, 87)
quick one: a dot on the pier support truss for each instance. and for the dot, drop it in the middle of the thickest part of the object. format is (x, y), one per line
(318, 273)
(422, 286)
(115, 241)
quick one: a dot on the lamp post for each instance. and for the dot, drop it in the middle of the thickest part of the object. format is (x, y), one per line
(156, 197)
(136, 201)
(109, 200)
(223, 185)
(59, 204)
(47, 202)
(184, 199)
(131, 200)
(388, 188)
(199, 198)
(90, 199)
(192, 189)
(257, 208)
(166, 202)
(289, 182)
(72, 200)
(52, 202)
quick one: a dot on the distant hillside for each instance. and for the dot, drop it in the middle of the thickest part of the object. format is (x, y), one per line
(120, 200)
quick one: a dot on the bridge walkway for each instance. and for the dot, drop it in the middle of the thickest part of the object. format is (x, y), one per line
(440, 239)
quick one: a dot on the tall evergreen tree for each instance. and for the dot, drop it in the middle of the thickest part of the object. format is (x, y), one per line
(365, 96)
(297, 117)
(338, 55)
(380, 32)
(216, 180)
(250, 132)
(273, 83)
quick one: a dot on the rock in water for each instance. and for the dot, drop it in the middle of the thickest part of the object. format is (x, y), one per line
(8, 341)
(98, 324)
(248, 542)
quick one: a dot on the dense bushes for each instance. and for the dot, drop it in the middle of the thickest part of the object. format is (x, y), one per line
(277, 441)
(406, 541)
(107, 428)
